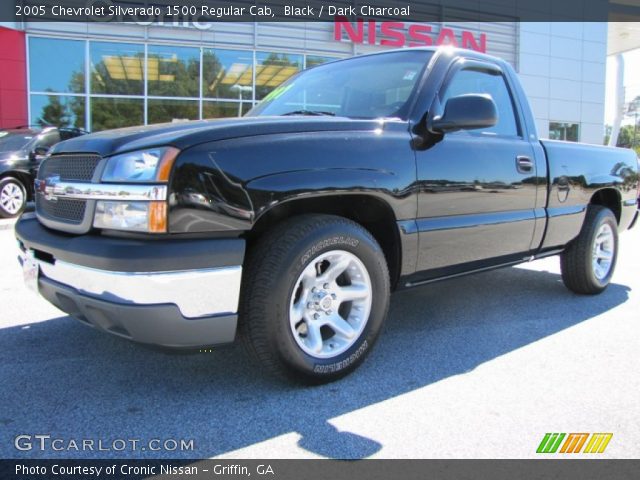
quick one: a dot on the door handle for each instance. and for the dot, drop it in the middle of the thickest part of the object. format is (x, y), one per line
(524, 164)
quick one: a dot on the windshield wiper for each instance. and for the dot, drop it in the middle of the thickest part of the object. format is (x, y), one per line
(310, 112)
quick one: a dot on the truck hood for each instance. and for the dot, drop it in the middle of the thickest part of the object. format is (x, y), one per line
(188, 134)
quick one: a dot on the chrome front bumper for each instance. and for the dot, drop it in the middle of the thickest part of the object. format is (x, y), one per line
(172, 292)
(173, 309)
(196, 293)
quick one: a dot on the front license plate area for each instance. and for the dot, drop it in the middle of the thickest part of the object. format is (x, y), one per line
(30, 271)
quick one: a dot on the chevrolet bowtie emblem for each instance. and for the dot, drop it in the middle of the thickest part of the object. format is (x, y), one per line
(45, 187)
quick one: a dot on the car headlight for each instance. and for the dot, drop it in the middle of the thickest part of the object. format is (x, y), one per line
(152, 165)
(150, 217)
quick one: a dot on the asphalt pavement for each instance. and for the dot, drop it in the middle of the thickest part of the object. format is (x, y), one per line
(476, 367)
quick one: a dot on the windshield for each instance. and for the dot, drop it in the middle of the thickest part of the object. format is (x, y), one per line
(373, 86)
(10, 142)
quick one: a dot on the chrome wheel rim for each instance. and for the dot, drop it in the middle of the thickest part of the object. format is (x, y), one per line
(330, 304)
(603, 250)
(11, 198)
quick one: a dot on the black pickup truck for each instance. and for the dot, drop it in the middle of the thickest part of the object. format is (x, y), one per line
(293, 224)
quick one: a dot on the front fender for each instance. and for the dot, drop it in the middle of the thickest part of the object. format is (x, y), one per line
(7, 169)
(236, 181)
(270, 191)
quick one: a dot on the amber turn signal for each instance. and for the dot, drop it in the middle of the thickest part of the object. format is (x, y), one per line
(158, 217)
(166, 164)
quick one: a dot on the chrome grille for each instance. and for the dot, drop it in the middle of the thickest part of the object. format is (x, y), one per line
(79, 167)
(61, 210)
(58, 212)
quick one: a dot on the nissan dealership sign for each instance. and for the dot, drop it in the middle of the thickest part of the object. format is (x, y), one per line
(400, 34)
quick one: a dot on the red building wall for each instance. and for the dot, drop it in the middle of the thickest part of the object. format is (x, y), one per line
(13, 78)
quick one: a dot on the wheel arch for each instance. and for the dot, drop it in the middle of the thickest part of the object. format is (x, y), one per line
(609, 198)
(369, 211)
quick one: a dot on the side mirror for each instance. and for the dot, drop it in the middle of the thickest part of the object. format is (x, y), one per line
(38, 152)
(466, 112)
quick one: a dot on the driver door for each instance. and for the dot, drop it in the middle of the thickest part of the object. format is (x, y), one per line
(476, 204)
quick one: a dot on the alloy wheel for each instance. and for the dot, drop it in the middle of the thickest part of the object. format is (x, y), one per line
(330, 304)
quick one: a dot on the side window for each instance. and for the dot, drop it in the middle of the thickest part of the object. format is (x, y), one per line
(478, 82)
(67, 133)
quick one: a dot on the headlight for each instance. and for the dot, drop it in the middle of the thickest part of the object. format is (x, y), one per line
(144, 166)
(132, 216)
(152, 165)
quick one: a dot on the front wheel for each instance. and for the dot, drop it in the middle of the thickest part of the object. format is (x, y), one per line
(589, 261)
(13, 197)
(315, 295)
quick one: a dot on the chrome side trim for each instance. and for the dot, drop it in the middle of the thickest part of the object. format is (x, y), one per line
(196, 293)
(51, 188)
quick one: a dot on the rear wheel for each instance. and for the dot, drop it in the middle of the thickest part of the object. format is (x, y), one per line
(315, 295)
(589, 261)
(13, 197)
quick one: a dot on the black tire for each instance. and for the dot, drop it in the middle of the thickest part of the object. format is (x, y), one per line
(579, 273)
(271, 278)
(14, 206)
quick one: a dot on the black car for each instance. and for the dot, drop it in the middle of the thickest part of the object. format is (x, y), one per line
(291, 225)
(21, 150)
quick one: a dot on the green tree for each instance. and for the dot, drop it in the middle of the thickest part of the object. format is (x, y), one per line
(633, 111)
(108, 113)
(78, 104)
(54, 113)
(213, 71)
(175, 78)
(625, 137)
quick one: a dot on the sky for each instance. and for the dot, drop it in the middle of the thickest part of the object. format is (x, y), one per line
(631, 83)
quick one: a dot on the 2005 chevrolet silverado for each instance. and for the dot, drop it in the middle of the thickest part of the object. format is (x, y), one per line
(294, 223)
